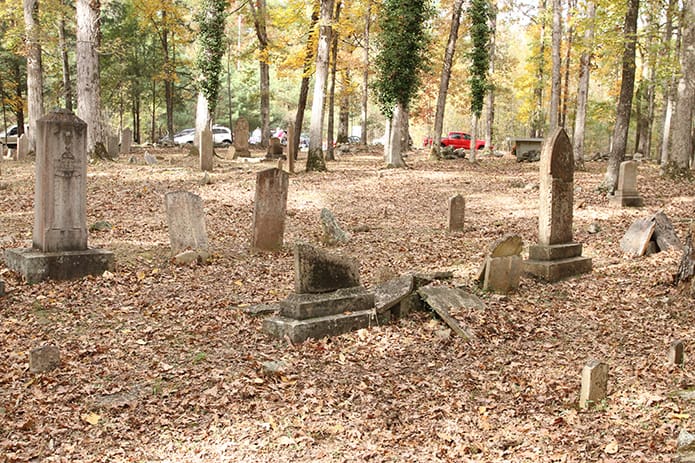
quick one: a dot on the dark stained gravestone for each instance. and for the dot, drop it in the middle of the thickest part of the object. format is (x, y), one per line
(269, 210)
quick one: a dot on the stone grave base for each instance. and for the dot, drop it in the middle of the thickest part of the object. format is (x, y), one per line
(620, 199)
(304, 306)
(556, 262)
(333, 325)
(35, 265)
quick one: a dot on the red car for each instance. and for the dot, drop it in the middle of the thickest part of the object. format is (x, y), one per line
(461, 140)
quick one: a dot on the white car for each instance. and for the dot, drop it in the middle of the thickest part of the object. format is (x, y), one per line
(221, 136)
(9, 137)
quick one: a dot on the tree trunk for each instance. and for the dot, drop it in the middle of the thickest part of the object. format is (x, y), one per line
(203, 118)
(490, 116)
(344, 114)
(89, 100)
(259, 20)
(153, 119)
(627, 86)
(668, 89)
(538, 117)
(315, 161)
(330, 149)
(556, 64)
(583, 87)
(642, 134)
(168, 77)
(365, 75)
(34, 73)
(682, 129)
(65, 62)
(18, 109)
(568, 59)
(474, 137)
(306, 74)
(446, 75)
(394, 151)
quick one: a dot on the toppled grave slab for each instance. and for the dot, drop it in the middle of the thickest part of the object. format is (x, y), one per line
(304, 306)
(648, 236)
(442, 300)
(333, 325)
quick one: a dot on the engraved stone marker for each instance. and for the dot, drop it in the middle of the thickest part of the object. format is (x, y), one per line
(112, 146)
(556, 256)
(206, 150)
(126, 140)
(60, 229)
(501, 270)
(457, 209)
(676, 353)
(2, 288)
(275, 149)
(241, 138)
(626, 195)
(269, 209)
(186, 219)
(22, 147)
(594, 384)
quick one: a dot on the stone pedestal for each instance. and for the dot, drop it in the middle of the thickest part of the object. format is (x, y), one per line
(623, 199)
(59, 248)
(332, 325)
(626, 195)
(556, 262)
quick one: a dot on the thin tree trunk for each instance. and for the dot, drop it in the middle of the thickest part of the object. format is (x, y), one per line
(627, 86)
(668, 89)
(259, 20)
(19, 111)
(169, 67)
(446, 75)
(365, 75)
(538, 117)
(583, 87)
(556, 64)
(153, 120)
(306, 74)
(394, 150)
(474, 137)
(490, 115)
(315, 161)
(344, 114)
(330, 149)
(34, 73)
(568, 59)
(65, 62)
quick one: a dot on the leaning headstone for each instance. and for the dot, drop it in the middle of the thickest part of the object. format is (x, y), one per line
(275, 149)
(2, 288)
(676, 353)
(22, 147)
(457, 212)
(556, 256)
(626, 195)
(332, 232)
(316, 271)
(186, 219)
(664, 233)
(636, 240)
(206, 150)
(112, 146)
(393, 296)
(594, 384)
(45, 358)
(501, 270)
(269, 210)
(59, 249)
(241, 138)
(126, 140)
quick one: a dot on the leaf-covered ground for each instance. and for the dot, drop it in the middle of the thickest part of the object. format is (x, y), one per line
(160, 364)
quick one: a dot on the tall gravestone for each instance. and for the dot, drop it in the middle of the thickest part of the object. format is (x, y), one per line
(112, 146)
(186, 220)
(556, 256)
(59, 248)
(626, 195)
(457, 213)
(275, 149)
(206, 150)
(126, 140)
(270, 207)
(241, 138)
(22, 147)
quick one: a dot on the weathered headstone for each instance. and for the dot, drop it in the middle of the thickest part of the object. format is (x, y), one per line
(316, 271)
(457, 212)
(112, 146)
(664, 233)
(126, 140)
(60, 229)
(626, 195)
(676, 353)
(393, 296)
(269, 210)
(501, 270)
(275, 149)
(45, 358)
(2, 288)
(186, 219)
(636, 239)
(22, 147)
(206, 149)
(241, 138)
(594, 384)
(149, 159)
(556, 256)
(332, 232)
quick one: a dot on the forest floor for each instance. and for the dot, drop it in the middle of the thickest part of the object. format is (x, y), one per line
(160, 364)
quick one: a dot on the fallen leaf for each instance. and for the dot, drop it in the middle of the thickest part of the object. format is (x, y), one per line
(91, 418)
(612, 447)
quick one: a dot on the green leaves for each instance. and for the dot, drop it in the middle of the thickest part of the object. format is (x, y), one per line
(211, 18)
(479, 55)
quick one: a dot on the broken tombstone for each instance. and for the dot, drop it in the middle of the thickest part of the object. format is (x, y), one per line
(501, 270)
(444, 300)
(332, 232)
(44, 358)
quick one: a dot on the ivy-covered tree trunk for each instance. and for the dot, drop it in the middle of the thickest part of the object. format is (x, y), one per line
(480, 62)
(34, 72)
(315, 161)
(490, 104)
(583, 87)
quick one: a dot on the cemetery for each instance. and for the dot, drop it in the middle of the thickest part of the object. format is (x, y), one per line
(233, 310)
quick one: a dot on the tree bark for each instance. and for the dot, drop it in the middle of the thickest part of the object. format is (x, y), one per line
(564, 101)
(394, 150)
(344, 114)
(34, 72)
(330, 149)
(538, 117)
(89, 98)
(490, 116)
(474, 137)
(583, 87)
(446, 75)
(627, 86)
(556, 64)
(306, 74)
(65, 62)
(315, 161)
(668, 89)
(365, 75)
(259, 21)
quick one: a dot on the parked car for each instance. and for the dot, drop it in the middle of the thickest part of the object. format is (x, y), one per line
(353, 139)
(9, 137)
(461, 140)
(304, 141)
(221, 136)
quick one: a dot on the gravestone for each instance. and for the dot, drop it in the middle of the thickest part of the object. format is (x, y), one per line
(594, 384)
(269, 210)
(2, 288)
(316, 271)
(206, 150)
(186, 219)
(556, 256)
(332, 232)
(676, 353)
(636, 239)
(275, 149)
(457, 209)
(126, 140)
(43, 359)
(626, 195)
(149, 159)
(112, 146)
(501, 270)
(59, 250)
(241, 138)
(22, 147)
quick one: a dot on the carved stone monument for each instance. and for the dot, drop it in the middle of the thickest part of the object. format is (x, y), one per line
(60, 247)
(112, 146)
(269, 209)
(626, 195)
(186, 220)
(457, 213)
(206, 150)
(126, 140)
(241, 138)
(22, 147)
(556, 256)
